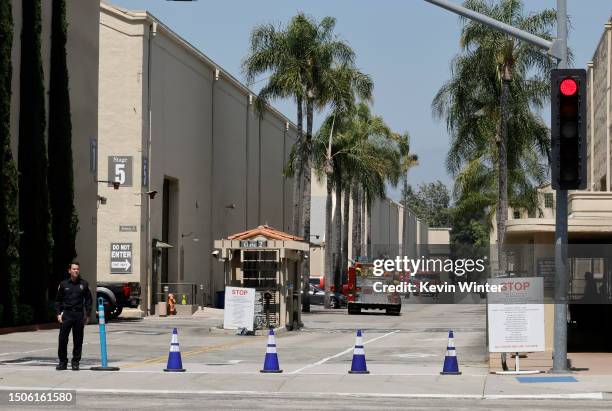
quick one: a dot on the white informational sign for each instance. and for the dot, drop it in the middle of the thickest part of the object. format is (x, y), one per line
(239, 308)
(516, 315)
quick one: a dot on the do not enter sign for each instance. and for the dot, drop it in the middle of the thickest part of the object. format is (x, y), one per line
(121, 258)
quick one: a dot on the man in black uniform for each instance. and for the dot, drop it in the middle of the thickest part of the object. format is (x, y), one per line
(73, 308)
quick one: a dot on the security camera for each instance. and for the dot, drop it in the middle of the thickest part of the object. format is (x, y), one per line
(116, 185)
(152, 194)
(215, 254)
(102, 200)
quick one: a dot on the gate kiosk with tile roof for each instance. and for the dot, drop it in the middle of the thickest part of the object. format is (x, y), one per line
(269, 261)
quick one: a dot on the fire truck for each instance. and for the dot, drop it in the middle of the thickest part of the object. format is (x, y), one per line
(361, 294)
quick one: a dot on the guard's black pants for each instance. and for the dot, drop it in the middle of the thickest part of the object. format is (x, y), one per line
(71, 320)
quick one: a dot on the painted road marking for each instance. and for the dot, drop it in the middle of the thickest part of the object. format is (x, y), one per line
(414, 355)
(164, 358)
(575, 396)
(546, 379)
(324, 360)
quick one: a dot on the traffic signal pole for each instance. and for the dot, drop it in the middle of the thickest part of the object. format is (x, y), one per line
(557, 49)
(561, 277)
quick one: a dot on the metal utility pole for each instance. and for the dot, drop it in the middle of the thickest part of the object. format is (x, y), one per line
(557, 49)
(561, 278)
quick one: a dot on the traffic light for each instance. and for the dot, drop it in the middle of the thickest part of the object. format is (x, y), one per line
(568, 129)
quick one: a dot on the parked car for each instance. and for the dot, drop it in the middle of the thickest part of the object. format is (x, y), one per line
(116, 296)
(319, 282)
(317, 297)
(430, 278)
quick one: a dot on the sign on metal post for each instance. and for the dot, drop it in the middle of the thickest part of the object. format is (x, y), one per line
(516, 315)
(239, 309)
(121, 258)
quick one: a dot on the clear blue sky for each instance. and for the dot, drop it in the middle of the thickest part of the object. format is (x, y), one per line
(405, 45)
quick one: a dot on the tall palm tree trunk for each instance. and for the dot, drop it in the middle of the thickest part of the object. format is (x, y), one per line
(405, 217)
(327, 263)
(297, 184)
(345, 235)
(306, 175)
(369, 228)
(356, 223)
(297, 200)
(362, 223)
(502, 203)
(335, 241)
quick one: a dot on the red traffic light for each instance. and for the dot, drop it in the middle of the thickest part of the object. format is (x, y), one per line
(568, 87)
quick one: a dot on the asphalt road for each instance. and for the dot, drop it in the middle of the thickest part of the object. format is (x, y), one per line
(404, 355)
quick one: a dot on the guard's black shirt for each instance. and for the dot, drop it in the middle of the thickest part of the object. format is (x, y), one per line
(73, 296)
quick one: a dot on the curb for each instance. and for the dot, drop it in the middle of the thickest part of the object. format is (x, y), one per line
(293, 394)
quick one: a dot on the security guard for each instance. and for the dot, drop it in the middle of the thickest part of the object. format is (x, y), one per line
(73, 308)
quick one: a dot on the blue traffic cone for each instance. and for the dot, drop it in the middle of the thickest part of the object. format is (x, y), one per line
(271, 360)
(174, 356)
(358, 365)
(451, 367)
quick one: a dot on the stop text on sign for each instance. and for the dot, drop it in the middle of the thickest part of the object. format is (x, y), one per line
(515, 286)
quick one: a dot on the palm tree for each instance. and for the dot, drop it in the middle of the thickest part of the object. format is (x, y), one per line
(408, 160)
(364, 157)
(273, 50)
(298, 58)
(343, 85)
(492, 79)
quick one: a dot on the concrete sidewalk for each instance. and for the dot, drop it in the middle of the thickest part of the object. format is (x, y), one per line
(582, 363)
(331, 383)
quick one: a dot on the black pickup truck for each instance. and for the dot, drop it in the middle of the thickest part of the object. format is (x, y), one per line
(116, 296)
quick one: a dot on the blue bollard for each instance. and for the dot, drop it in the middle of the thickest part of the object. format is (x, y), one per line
(102, 326)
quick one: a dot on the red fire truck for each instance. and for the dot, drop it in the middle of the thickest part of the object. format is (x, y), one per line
(361, 293)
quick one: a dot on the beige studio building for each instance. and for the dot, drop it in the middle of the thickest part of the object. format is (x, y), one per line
(195, 161)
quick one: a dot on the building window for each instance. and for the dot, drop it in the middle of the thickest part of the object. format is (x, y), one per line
(259, 269)
(548, 200)
(517, 215)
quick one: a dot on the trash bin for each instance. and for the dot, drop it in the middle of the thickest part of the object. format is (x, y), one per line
(220, 299)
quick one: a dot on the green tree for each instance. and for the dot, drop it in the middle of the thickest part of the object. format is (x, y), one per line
(430, 203)
(297, 59)
(64, 220)
(496, 82)
(469, 230)
(363, 156)
(9, 220)
(34, 216)
(341, 87)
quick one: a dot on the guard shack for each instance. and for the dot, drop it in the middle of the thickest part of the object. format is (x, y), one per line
(270, 261)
